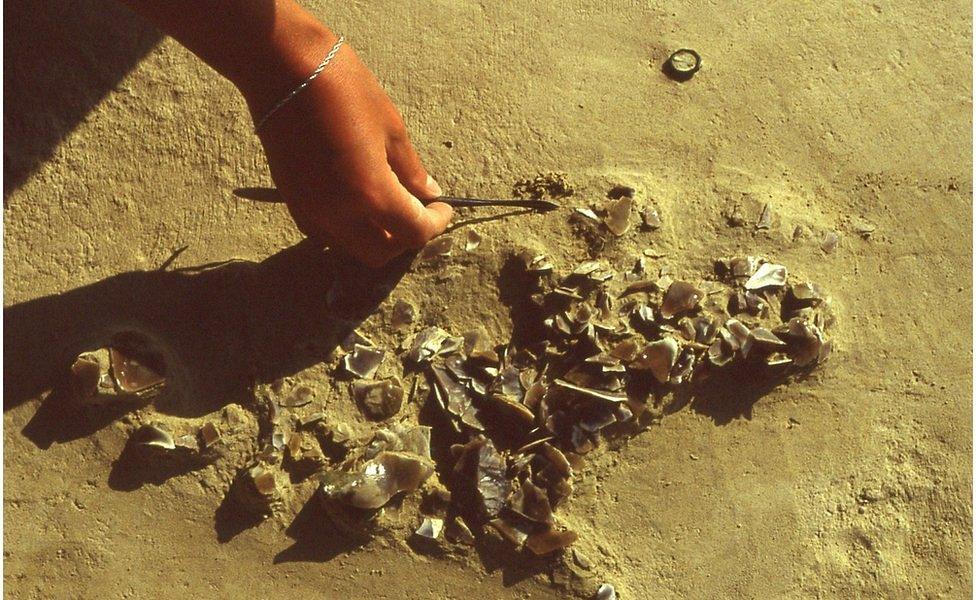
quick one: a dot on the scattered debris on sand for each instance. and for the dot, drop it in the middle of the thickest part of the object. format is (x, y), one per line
(542, 186)
(614, 349)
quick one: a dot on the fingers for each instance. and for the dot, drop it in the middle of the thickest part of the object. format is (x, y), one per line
(399, 211)
(369, 244)
(366, 242)
(409, 170)
(410, 223)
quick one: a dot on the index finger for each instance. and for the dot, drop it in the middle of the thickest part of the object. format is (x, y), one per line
(399, 212)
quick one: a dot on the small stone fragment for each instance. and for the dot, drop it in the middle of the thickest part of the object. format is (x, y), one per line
(863, 228)
(300, 396)
(550, 541)
(293, 443)
(354, 337)
(651, 219)
(765, 221)
(472, 239)
(493, 485)
(312, 419)
(590, 392)
(153, 436)
(625, 350)
(404, 315)
(477, 345)
(681, 297)
(439, 247)
(538, 264)
(256, 490)
(606, 592)
(363, 361)
(85, 375)
(761, 339)
(457, 531)
(379, 400)
(509, 531)
(767, 275)
(430, 528)
(427, 344)
(581, 560)
(618, 216)
(209, 434)
(829, 242)
(804, 295)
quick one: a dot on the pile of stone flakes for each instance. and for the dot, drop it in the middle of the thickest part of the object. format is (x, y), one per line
(523, 417)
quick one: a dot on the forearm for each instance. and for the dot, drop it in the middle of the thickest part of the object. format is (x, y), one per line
(265, 47)
(338, 152)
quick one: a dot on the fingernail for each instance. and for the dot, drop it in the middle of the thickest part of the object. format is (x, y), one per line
(434, 188)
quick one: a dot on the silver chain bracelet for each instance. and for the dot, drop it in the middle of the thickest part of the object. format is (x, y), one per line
(322, 65)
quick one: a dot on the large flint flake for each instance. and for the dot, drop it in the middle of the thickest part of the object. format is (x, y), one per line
(363, 361)
(379, 480)
(493, 484)
(659, 358)
(132, 376)
(768, 275)
(379, 400)
(806, 344)
(427, 344)
(454, 397)
(590, 392)
(681, 297)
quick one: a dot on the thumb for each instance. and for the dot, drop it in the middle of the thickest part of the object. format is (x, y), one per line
(403, 215)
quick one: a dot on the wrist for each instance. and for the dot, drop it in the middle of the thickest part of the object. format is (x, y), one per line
(294, 48)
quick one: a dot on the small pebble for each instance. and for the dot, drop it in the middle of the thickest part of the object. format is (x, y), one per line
(472, 240)
(606, 592)
(651, 219)
(829, 242)
(581, 560)
(765, 221)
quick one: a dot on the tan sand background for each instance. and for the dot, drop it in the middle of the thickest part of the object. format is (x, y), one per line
(121, 148)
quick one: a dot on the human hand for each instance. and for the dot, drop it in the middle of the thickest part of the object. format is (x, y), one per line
(338, 151)
(341, 158)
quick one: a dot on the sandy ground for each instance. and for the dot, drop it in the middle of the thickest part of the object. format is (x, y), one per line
(853, 483)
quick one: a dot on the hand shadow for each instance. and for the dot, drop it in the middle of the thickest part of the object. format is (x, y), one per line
(217, 328)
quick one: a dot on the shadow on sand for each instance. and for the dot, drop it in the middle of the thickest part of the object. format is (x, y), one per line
(60, 60)
(730, 394)
(218, 328)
